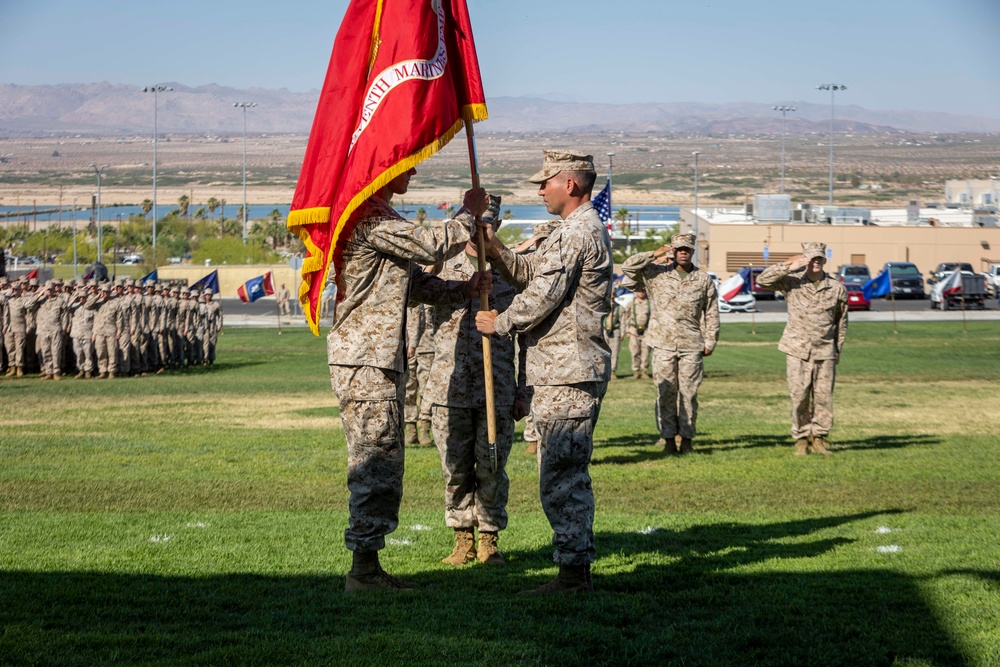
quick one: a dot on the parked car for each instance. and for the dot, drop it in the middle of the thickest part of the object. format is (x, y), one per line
(993, 280)
(972, 295)
(856, 298)
(755, 289)
(944, 268)
(132, 260)
(853, 274)
(906, 280)
(741, 303)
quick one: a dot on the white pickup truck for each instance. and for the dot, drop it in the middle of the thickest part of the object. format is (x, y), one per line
(993, 280)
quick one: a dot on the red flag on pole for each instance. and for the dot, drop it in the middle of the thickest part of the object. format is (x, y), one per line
(402, 80)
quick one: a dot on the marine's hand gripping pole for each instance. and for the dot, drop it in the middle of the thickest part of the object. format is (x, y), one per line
(484, 304)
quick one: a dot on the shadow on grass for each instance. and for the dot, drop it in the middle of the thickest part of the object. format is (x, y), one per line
(691, 609)
(644, 448)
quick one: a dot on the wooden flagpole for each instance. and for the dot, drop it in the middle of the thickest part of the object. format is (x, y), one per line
(484, 304)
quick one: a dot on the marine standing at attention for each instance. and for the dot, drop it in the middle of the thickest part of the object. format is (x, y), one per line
(566, 287)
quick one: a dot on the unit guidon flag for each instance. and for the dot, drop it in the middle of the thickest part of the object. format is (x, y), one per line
(402, 80)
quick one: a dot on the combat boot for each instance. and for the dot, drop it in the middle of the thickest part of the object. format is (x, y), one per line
(571, 579)
(20, 372)
(636, 375)
(410, 433)
(532, 448)
(488, 552)
(686, 447)
(88, 375)
(44, 377)
(111, 375)
(465, 548)
(78, 375)
(819, 446)
(57, 376)
(10, 371)
(367, 574)
(424, 433)
(669, 445)
(801, 447)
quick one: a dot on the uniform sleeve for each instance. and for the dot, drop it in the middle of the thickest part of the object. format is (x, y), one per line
(524, 390)
(425, 244)
(775, 278)
(710, 324)
(427, 288)
(517, 270)
(547, 289)
(842, 320)
(634, 266)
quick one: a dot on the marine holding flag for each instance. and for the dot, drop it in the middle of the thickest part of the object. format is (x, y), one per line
(402, 80)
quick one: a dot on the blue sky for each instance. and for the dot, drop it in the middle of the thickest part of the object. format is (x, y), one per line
(928, 55)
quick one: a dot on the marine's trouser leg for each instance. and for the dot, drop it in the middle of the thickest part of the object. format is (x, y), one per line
(690, 373)
(14, 341)
(810, 386)
(637, 348)
(424, 362)
(411, 392)
(665, 369)
(613, 339)
(371, 410)
(565, 417)
(474, 495)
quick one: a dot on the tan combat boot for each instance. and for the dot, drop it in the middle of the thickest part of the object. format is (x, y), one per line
(636, 375)
(10, 372)
(410, 433)
(78, 375)
(57, 376)
(20, 372)
(819, 446)
(571, 579)
(488, 552)
(465, 548)
(367, 574)
(686, 447)
(801, 447)
(44, 377)
(532, 448)
(424, 433)
(87, 375)
(111, 375)
(669, 445)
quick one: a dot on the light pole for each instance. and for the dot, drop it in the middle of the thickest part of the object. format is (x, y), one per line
(783, 110)
(833, 88)
(694, 259)
(100, 238)
(244, 106)
(611, 171)
(75, 274)
(155, 90)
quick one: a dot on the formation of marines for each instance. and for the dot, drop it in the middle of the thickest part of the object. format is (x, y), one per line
(105, 330)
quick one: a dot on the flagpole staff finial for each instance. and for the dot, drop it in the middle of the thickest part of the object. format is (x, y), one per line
(484, 305)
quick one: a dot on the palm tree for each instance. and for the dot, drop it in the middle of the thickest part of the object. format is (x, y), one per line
(182, 205)
(222, 209)
(199, 214)
(421, 216)
(146, 206)
(212, 204)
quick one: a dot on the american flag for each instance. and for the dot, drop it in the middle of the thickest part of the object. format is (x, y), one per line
(602, 203)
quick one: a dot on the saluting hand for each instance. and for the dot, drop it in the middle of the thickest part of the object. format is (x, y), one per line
(797, 262)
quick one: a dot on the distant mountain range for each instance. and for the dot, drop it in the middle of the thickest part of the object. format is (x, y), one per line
(108, 109)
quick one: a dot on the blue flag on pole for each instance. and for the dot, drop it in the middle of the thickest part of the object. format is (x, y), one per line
(152, 275)
(211, 281)
(602, 203)
(880, 285)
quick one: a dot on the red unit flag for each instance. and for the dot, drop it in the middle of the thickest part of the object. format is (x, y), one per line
(402, 80)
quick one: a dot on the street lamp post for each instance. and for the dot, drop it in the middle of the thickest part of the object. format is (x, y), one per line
(244, 106)
(75, 273)
(611, 171)
(833, 88)
(155, 90)
(783, 110)
(100, 238)
(694, 259)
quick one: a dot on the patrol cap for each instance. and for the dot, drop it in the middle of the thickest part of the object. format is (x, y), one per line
(556, 161)
(207, 292)
(813, 249)
(683, 241)
(150, 283)
(104, 287)
(33, 282)
(543, 229)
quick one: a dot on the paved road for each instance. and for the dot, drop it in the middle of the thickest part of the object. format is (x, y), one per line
(263, 313)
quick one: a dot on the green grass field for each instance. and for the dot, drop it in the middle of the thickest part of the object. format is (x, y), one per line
(198, 517)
